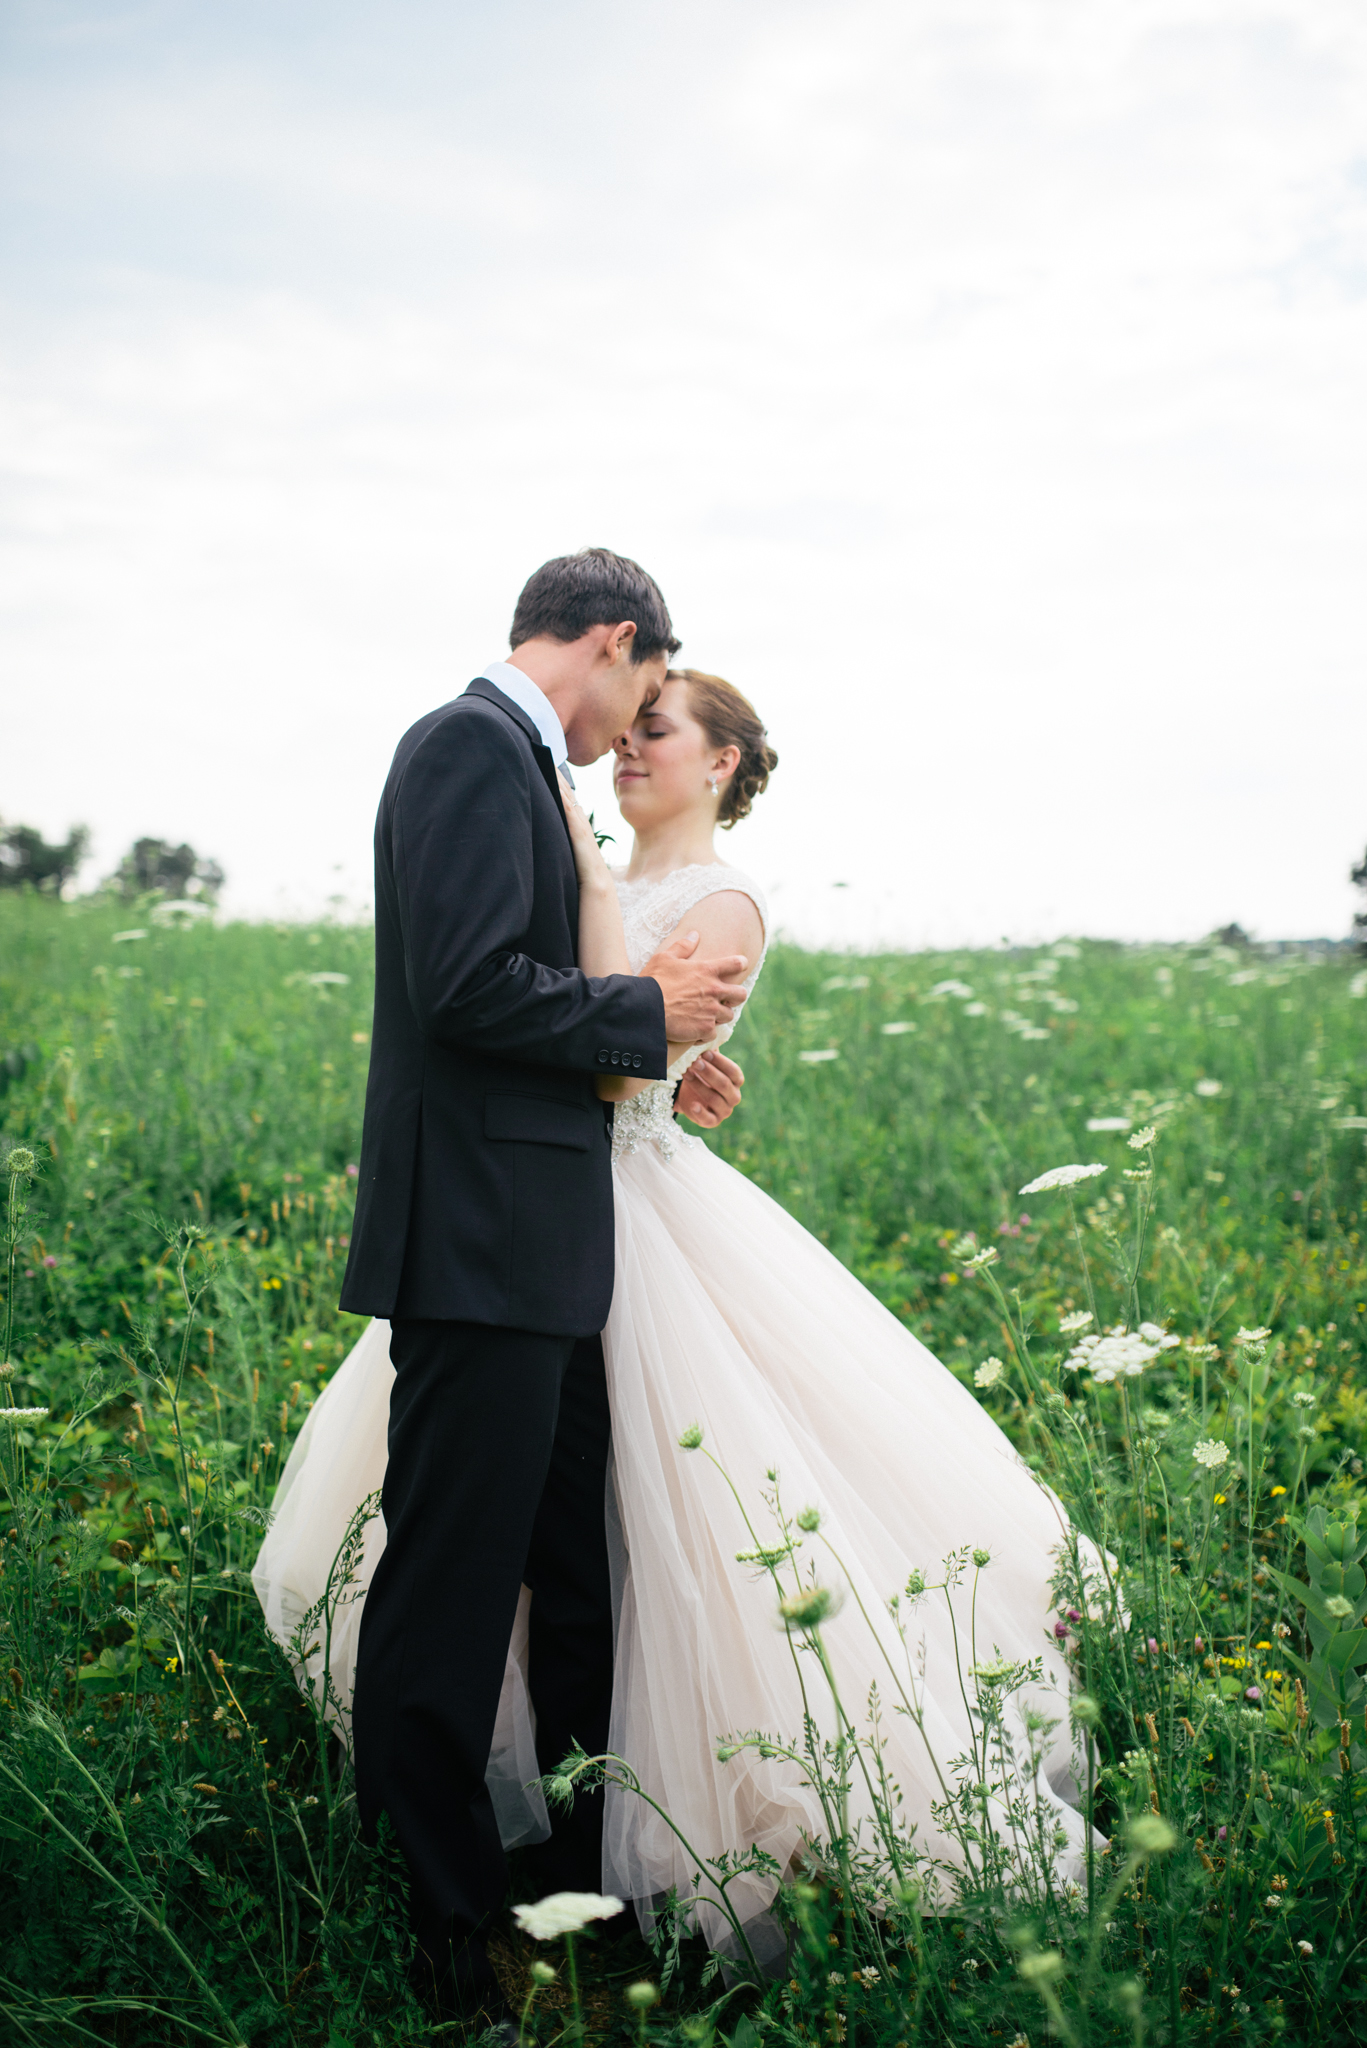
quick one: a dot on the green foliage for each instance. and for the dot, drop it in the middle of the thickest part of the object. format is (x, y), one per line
(178, 1853)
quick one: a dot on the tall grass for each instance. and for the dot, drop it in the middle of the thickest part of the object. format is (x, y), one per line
(180, 1860)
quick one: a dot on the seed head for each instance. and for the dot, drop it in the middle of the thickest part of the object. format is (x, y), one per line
(542, 1973)
(642, 1996)
(807, 1609)
(691, 1439)
(982, 1558)
(1150, 1835)
(20, 1162)
(809, 1520)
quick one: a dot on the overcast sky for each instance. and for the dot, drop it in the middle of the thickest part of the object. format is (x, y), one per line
(985, 381)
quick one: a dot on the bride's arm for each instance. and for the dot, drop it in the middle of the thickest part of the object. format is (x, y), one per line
(727, 923)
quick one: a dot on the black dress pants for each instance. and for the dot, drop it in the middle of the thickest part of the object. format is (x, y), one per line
(498, 1446)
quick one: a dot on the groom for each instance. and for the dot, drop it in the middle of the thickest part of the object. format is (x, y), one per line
(484, 1232)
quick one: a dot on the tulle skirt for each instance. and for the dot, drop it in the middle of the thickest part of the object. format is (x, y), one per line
(731, 1320)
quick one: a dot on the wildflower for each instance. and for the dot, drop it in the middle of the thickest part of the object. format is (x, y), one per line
(1302, 1401)
(916, 1585)
(835, 1977)
(1139, 1139)
(965, 1246)
(1210, 1452)
(1119, 1352)
(988, 1373)
(1253, 1692)
(1208, 1087)
(807, 1609)
(1271, 1903)
(809, 1520)
(952, 988)
(1108, 1123)
(20, 1161)
(868, 1976)
(813, 1059)
(1220, 1499)
(1151, 1835)
(1279, 1628)
(896, 1029)
(1061, 1631)
(1251, 1336)
(1077, 1321)
(1153, 1646)
(542, 1972)
(1061, 1177)
(982, 1558)
(642, 1996)
(23, 1414)
(1086, 1711)
(564, 1913)
(1043, 1967)
(1276, 1491)
(988, 1256)
(691, 1439)
(1305, 1948)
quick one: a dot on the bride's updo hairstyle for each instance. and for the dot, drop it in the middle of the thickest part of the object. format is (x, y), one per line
(730, 720)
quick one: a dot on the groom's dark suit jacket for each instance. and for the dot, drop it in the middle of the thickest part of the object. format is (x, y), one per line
(485, 1190)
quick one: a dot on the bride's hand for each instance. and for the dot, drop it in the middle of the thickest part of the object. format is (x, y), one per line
(589, 864)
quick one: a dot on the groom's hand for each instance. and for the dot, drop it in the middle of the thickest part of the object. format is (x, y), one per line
(710, 1090)
(701, 996)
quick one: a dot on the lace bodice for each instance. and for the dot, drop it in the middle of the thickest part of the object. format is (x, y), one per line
(650, 912)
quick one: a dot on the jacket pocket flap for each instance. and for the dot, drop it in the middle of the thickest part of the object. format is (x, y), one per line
(537, 1120)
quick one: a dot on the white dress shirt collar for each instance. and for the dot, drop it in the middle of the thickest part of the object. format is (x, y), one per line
(529, 697)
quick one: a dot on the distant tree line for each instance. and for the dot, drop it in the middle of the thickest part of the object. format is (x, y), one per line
(27, 860)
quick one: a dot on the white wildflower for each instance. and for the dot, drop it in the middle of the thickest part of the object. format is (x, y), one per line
(1307, 1948)
(1303, 1400)
(564, 1913)
(1139, 1139)
(988, 1373)
(1109, 1123)
(1210, 1453)
(122, 938)
(327, 980)
(1209, 1087)
(1119, 1354)
(988, 1256)
(897, 1029)
(1258, 1336)
(812, 1059)
(952, 988)
(965, 1246)
(1077, 1321)
(1061, 1177)
(23, 1414)
(1358, 985)
(1154, 1333)
(975, 1009)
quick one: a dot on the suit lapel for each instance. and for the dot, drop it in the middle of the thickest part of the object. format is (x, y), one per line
(541, 753)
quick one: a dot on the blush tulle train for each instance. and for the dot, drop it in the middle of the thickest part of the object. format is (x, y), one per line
(730, 1318)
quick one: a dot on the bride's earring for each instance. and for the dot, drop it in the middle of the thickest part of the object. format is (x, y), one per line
(712, 785)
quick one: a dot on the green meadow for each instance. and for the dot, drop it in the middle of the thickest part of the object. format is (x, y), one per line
(178, 1856)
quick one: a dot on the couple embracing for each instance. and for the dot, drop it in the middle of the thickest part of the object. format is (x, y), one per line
(565, 1283)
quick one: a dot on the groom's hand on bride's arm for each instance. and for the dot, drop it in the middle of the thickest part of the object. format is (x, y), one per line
(710, 1090)
(700, 995)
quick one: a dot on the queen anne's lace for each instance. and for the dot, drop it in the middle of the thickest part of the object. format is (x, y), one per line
(650, 912)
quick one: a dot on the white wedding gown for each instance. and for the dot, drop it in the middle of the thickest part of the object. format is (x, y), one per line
(728, 1315)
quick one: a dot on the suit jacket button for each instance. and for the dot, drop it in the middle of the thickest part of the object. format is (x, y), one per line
(617, 1059)
(602, 1055)
(636, 1061)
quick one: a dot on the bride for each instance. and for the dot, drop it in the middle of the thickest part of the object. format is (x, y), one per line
(743, 1362)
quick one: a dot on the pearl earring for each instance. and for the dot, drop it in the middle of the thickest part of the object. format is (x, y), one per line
(712, 785)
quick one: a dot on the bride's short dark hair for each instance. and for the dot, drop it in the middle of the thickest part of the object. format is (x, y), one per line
(730, 720)
(567, 596)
